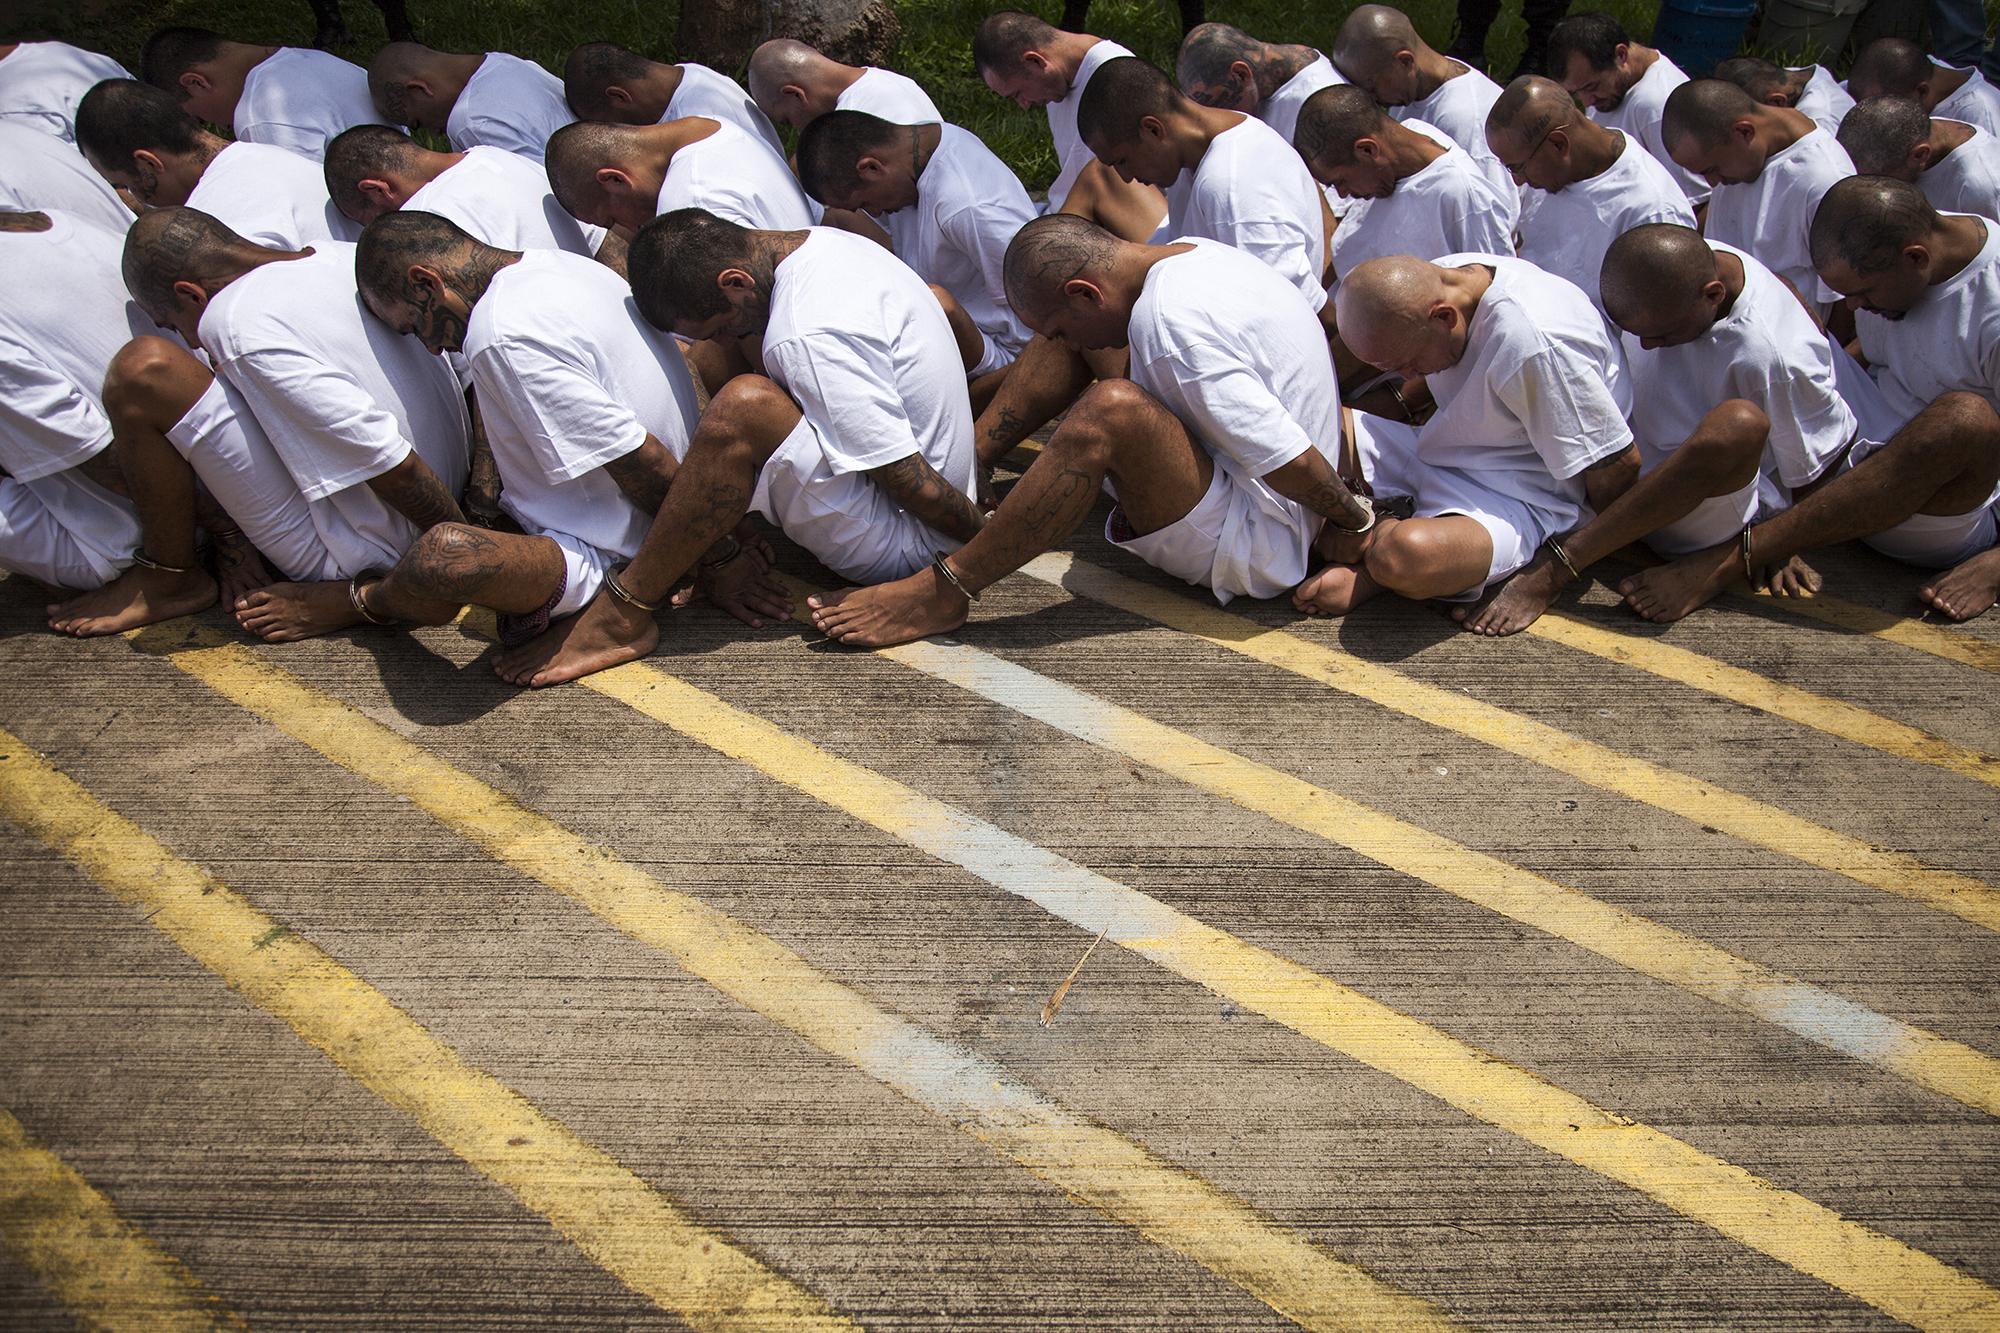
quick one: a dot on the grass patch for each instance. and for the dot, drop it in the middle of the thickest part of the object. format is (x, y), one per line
(936, 48)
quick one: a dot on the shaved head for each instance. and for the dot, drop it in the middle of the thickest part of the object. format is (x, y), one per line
(1003, 38)
(393, 68)
(1208, 52)
(1119, 95)
(1529, 108)
(1370, 39)
(170, 245)
(1881, 133)
(365, 152)
(831, 148)
(1591, 34)
(1865, 223)
(1332, 120)
(594, 67)
(1759, 78)
(781, 61)
(1704, 110)
(120, 117)
(396, 242)
(1383, 307)
(172, 52)
(675, 261)
(1047, 253)
(1655, 266)
(1889, 67)
(574, 155)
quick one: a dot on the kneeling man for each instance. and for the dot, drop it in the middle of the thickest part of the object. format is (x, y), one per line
(1221, 447)
(856, 440)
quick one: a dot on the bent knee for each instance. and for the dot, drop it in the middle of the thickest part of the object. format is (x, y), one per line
(1116, 404)
(1426, 558)
(753, 405)
(1739, 422)
(1968, 416)
(449, 541)
(149, 375)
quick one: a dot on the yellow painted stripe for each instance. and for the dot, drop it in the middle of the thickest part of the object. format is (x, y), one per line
(1692, 798)
(1896, 1278)
(612, 1215)
(1168, 1205)
(1831, 716)
(106, 1270)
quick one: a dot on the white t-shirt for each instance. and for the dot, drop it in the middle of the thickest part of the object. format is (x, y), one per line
(1568, 230)
(270, 196)
(1072, 154)
(1767, 351)
(570, 377)
(736, 178)
(41, 83)
(1459, 107)
(969, 205)
(298, 99)
(1639, 112)
(1949, 340)
(1445, 209)
(66, 315)
(341, 396)
(1771, 217)
(1967, 179)
(1540, 394)
(889, 96)
(1281, 109)
(1251, 190)
(1976, 102)
(703, 92)
(1824, 100)
(859, 342)
(39, 171)
(508, 103)
(502, 199)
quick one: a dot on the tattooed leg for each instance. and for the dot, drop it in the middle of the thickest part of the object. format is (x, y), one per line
(1045, 379)
(1117, 430)
(454, 564)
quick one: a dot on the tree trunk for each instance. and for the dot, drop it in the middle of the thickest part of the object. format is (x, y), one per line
(723, 33)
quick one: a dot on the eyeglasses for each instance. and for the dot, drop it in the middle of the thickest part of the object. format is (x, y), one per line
(1517, 168)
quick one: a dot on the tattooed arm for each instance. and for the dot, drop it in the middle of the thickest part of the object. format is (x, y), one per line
(914, 484)
(414, 491)
(644, 474)
(1310, 480)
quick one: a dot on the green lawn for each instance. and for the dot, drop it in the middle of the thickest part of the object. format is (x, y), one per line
(937, 37)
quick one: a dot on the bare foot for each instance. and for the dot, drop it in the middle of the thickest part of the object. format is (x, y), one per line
(890, 613)
(605, 634)
(241, 570)
(1334, 591)
(138, 596)
(1515, 604)
(1668, 592)
(1967, 590)
(288, 612)
(1794, 578)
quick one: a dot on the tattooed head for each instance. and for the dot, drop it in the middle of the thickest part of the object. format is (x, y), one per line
(421, 274)
(1047, 253)
(677, 262)
(171, 245)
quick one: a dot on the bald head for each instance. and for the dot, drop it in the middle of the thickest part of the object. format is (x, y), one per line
(1529, 108)
(592, 70)
(577, 152)
(1048, 253)
(1704, 111)
(171, 245)
(1332, 121)
(1653, 272)
(1383, 308)
(783, 62)
(1370, 41)
(1866, 222)
(1003, 38)
(1882, 134)
(1889, 67)
(1120, 94)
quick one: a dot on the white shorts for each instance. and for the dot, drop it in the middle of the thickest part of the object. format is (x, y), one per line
(229, 451)
(583, 573)
(992, 357)
(1933, 541)
(845, 520)
(34, 542)
(1517, 529)
(1241, 539)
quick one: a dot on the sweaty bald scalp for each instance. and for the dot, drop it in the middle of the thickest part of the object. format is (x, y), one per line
(1332, 120)
(170, 245)
(1383, 304)
(1703, 110)
(1003, 38)
(594, 67)
(1865, 222)
(576, 151)
(1658, 265)
(1208, 52)
(1369, 40)
(1880, 133)
(1047, 253)
(1889, 67)
(1529, 108)
(1121, 94)
(780, 61)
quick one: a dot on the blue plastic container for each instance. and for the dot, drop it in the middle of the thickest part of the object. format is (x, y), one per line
(1700, 34)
